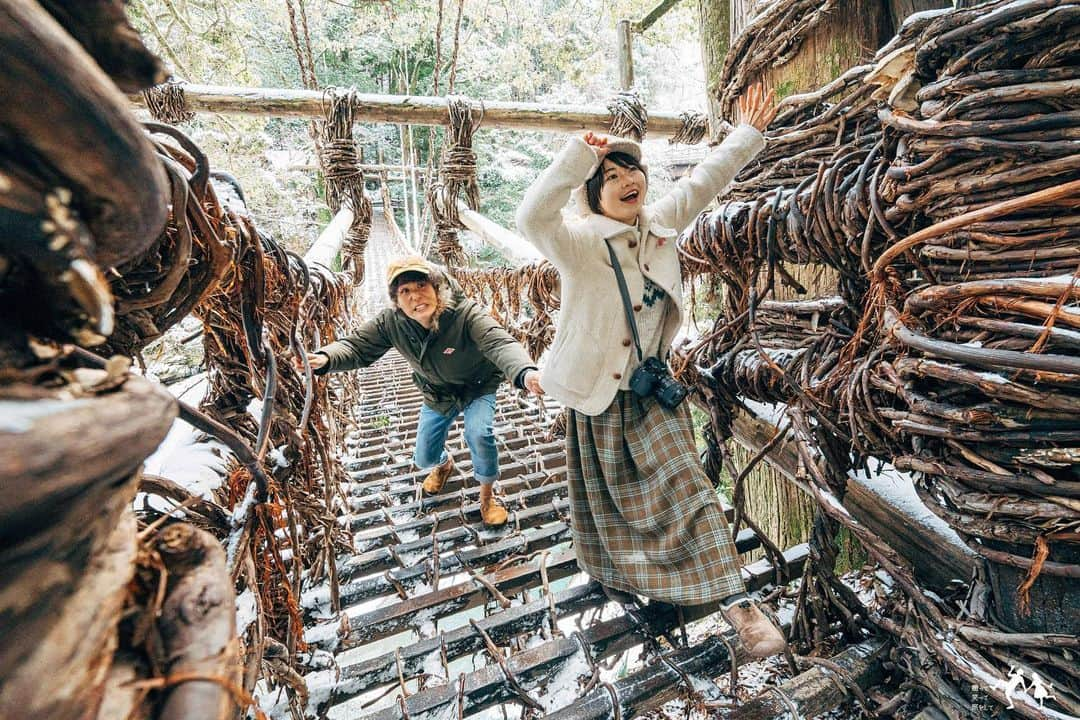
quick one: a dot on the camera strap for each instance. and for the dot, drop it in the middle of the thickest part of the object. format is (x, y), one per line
(625, 298)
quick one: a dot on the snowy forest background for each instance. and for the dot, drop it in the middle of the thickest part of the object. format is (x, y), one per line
(551, 51)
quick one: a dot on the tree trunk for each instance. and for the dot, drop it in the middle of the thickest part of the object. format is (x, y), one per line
(715, 33)
(69, 469)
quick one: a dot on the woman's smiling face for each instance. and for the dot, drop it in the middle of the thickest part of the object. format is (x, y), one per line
(622, 192)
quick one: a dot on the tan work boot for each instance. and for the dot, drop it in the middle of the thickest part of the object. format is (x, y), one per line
(433, 483)
(493, 511)
(756, 632)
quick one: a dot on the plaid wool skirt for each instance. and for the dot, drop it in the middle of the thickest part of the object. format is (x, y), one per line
(644, 517)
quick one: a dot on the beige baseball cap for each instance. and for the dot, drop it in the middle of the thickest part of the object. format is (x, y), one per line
(624, 145)
(409, 263)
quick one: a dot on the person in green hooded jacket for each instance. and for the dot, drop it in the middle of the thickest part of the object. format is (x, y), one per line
(459, 355)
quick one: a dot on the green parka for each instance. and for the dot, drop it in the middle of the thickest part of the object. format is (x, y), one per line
(465, 355)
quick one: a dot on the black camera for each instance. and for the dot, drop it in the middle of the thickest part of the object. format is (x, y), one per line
(653, 378)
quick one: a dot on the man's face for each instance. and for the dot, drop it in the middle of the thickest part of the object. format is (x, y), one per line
(417, 300)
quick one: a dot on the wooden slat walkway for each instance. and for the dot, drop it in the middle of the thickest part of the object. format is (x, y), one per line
(445, 616)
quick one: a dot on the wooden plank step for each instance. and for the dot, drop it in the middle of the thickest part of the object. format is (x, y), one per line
(350, 680)
(387, 535)
(477, 559)
(488, 686)
(654, 685)
(404, 484)
(409, 578)
(379, 542)
(392, 556)
(391, 619)
(471, 511)
(514, 484)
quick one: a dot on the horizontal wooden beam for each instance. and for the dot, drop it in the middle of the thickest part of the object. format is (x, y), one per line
(819, 690)
(407, 109)
(512, 246)
(413, 169)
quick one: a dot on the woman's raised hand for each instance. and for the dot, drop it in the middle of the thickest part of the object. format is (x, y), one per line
(597, 143)
(756, 106)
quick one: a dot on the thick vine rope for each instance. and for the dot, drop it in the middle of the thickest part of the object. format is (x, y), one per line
(946, 200)
(340, 160)
(694, 127)
(628, 116)
(457, 177)
(167, 104)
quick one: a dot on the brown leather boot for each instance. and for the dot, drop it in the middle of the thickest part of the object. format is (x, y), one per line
(433, 483)
(756, 632)
(618, 596)
(493, 511)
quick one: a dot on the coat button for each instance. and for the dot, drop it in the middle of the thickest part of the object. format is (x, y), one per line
(626, 342)
(646, 266)
(637, 308)
(617, 376)
(632, 243)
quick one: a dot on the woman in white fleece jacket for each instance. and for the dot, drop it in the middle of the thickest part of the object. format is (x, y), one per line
(645, 519)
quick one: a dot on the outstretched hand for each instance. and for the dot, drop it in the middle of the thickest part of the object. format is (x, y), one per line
(315, 360)
(757, 106)
(597, 143)
(532, 382)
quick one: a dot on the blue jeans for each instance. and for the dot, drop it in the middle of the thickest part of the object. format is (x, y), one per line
(433, 427)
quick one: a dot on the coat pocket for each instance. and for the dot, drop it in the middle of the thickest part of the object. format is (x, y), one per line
(579, 357)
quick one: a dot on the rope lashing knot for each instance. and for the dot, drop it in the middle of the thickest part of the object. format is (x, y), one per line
(457, 174)
(167, 103)
(628, 116)
(694, 127)
(340, 159)
(458, 164)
